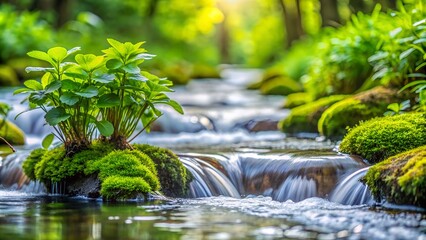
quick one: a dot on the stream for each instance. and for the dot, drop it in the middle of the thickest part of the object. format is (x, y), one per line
(250, 180)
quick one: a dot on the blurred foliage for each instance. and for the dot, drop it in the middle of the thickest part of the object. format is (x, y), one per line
(21, 32)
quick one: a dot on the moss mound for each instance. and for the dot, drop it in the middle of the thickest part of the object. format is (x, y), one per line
(119, 188)
(348, 112)
(305, 118)
(31, 161)
(12, 133)
(280, 85)
(173, 176)
(204, 71)
(400, 179)
(380, 138)
(129, 164)
(297, 99)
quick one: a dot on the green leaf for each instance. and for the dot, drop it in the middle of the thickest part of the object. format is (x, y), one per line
(105, 128)
(137, 77)
(116, 44)
(73, 50)
(56, 115)
(57, 53)
(114, 64)
(394, 107)
(38, 98)
(47, 141)
(132, 68)
(33, 85)
(39, 69)
(108, 100)
(70, 85)
(176, 106)
(105, 78)
(41, 56)
(89, 62)
(53, 86)
(145, 56)
(406, 53)
(21, 90)
(69, 98)
(88, 92)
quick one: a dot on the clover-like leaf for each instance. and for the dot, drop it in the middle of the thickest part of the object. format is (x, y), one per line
(105, 128)
(57, 53)
(56, 115)
(108, 100)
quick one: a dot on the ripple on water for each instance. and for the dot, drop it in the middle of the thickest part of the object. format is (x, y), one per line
(319, 218)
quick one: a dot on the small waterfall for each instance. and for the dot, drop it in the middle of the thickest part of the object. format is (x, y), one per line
(12, 176)
(208, 180)
(282, 176)
(351, 191)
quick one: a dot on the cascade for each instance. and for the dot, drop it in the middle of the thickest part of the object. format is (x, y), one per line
(352, 191)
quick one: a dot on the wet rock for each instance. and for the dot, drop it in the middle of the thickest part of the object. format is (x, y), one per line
(88, 186)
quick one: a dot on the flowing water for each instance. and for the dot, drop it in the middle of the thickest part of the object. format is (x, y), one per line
(250, 181)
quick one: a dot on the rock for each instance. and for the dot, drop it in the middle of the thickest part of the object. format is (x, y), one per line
(297, 99)
(348, 112)
(11, 133)
(400, 179)
(380, 138)
(88, 186)
(305, 118)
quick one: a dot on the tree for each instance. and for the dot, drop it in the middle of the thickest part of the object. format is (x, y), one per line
(329, 13)
(292, 20)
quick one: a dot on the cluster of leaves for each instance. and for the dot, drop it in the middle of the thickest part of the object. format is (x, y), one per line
(401, 59)
(342, 66)
(108, 94)
(21, 32)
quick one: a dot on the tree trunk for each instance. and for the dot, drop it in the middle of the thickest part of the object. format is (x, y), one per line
(223, 40)
(329, 13)
(292, 20)
(63, 12)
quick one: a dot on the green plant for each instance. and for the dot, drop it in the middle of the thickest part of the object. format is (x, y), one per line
(107, 93)
(118, 187)
(380, 138)
(31, 161)
(397, 108)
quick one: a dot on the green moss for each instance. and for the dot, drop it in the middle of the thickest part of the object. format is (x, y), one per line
(126, 163)
(400, 179)
(280, 85)
(31, 161)
(348, 112)
(12, 133)
(8, 76)
(305, 118)
(119, 187)
(173, 176)
(380, 138)
(297, 99)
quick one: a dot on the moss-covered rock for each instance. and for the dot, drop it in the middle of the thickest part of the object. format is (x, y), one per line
(305, 118)
(297, 99)
(31, 161)
(348, 112)
(19, 65)
(8, 76)
(400, 179)
(129, 163)
(119, 187)
(380, 138)
(11, 133)
(204, 71)
(281, 85)
(173, 176)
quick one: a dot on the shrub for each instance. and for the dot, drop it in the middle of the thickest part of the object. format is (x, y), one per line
(119, 187)
(305, 118)
(380, 138)
(400, 179)
(173, 176)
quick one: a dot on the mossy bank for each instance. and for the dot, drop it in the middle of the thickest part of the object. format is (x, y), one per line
(112, 174)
